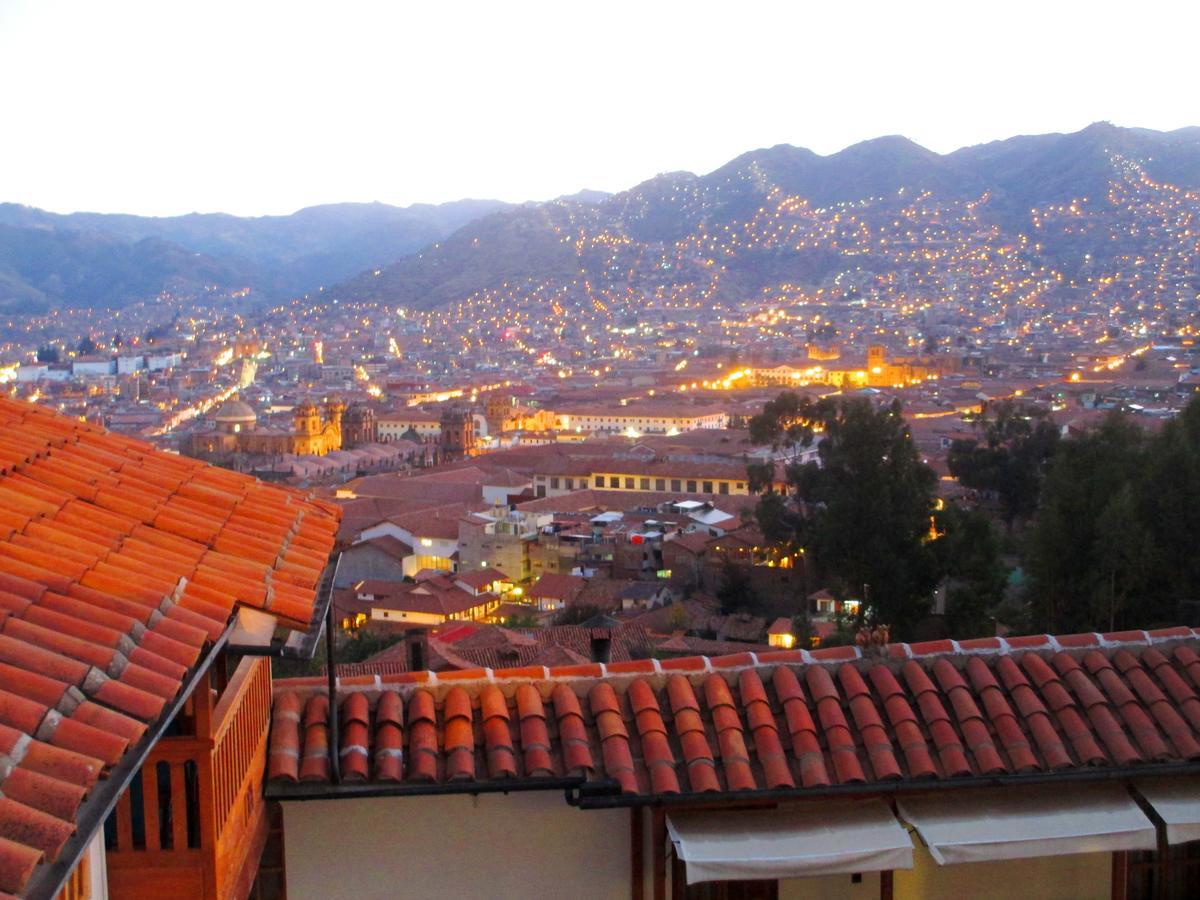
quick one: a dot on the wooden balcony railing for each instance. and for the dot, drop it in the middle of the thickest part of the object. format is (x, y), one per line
(78, 886)
(192, 823)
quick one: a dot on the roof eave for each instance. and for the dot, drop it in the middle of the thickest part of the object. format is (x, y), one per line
(49, 880)
(606, 793)
(288, 643)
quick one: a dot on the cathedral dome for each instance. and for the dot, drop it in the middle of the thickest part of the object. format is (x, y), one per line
(235, 412)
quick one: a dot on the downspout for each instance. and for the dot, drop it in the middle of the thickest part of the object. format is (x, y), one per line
(331, 684)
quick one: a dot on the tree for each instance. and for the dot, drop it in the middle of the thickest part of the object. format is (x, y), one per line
(786, 421)
(1122, 555)
(577, 613)
(778, 523)
(760, 475)
(863, 513)
(1168, 500)
(1072, 584)
(1017, 442)
(677, 618)
(968, 551)
(87, 346)
(736, 592)
(1114, 545)
(521, 620)
(48, 353)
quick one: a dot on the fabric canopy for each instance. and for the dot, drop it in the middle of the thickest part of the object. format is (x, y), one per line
(1177, 801)
(790, 841)
(975, 826)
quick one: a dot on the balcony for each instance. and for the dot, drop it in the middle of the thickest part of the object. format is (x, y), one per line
(193, 823)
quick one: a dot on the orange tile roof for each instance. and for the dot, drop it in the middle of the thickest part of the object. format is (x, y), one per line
(790, 720)
(119, 564)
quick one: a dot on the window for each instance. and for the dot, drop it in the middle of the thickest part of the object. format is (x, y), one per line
(676, 484)
(570, 484)
(660, 484)
(741, 485)
(691, 487)
(554, 484)
(583, 483)
(724, 487)
(708, 487)
(644, 484)
(599, 481)
(629, 484)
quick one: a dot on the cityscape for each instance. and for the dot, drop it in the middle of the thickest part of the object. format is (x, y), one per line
(403, 493)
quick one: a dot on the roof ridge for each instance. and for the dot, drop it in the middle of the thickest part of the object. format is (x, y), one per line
(735, 662)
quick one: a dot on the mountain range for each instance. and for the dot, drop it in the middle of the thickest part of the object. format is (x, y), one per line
(427, 256)
(93, 259)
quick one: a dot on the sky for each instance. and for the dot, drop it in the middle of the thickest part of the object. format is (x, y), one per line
(253, 107)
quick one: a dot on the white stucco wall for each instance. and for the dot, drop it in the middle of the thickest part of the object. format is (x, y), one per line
(526, 845)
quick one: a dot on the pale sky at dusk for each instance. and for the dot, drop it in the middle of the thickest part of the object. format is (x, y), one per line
(249, 107)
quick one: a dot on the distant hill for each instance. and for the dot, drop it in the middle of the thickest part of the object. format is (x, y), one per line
(43, 268)
(636, 243)
(92, 259)
(770, 221)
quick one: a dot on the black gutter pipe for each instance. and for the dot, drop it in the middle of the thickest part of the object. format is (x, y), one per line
(606, 794)
(286, 791)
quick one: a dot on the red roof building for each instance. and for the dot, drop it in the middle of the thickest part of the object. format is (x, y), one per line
(914, 732)
(554, 591)
(123, 571)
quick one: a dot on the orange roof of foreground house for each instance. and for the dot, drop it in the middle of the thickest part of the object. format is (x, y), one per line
(119, 565)
(968, 712)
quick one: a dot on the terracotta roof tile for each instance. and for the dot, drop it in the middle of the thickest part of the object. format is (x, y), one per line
(798, 722)
(100, 615)
(389, 737)
(17, 863)
(535, 738)
(497, 734)
(422, 737)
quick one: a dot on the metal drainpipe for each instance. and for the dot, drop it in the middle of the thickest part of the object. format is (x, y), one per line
(331, 680)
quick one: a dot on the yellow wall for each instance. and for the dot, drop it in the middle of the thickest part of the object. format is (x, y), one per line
(1075, 877)
(526, 845)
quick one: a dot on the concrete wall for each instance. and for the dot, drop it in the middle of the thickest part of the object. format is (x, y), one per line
(477, 549)
(527, 845)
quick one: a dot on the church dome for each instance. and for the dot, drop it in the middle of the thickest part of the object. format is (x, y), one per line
(236, 412)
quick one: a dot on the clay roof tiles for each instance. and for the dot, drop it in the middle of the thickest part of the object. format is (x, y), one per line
(118, 564)
(782, 720)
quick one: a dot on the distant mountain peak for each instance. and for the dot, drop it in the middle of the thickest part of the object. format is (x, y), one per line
(586, 195)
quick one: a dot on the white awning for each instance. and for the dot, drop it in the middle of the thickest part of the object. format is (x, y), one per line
(1177, 800)
(790, 841)
(1051, 820)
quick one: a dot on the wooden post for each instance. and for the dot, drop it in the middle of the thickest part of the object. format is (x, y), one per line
(202, 704)
(1120, 875)
(658, 841)
(637, 856)
(886, 886)
(678, 878)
